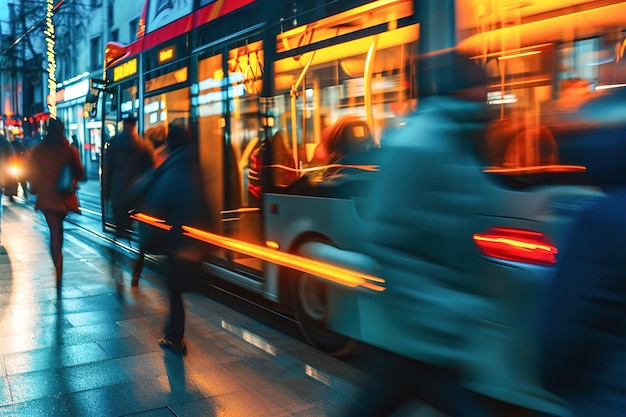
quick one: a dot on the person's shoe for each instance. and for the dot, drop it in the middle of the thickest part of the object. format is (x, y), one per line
(179, 347)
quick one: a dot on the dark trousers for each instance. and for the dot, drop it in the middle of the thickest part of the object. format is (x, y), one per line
(175, 326)
(394, 381)
(139, 264)
(182, 275)
(55, 224)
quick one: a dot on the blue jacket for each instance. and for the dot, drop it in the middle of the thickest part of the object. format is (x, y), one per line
(173, 192)
(125, 159)
(414, 219)
(583, 328)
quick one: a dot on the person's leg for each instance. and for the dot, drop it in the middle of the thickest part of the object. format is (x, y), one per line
(386, 378)
(442, 389)
(175, 324)
(397, 380)
(114, 266)
(175, 327)
(138, 268)
(55, 224)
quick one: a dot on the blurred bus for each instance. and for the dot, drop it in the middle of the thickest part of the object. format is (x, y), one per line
(291, 103)
(243, 74)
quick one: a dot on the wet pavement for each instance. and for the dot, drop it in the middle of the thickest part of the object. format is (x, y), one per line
(91, 349)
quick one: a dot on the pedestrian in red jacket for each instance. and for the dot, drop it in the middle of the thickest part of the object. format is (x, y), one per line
(46, 162)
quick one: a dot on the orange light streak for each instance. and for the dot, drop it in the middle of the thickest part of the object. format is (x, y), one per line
(271, 244)
(242, 210)
(371, 168)
(152, 221)
(536, 169)
(335, 274)
(518, 50)
(519, 55)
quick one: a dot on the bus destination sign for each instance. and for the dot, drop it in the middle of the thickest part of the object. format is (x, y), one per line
(167, 54)
(125, 70)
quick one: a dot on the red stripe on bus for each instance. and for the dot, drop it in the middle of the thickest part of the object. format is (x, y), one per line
(170, 31)
(182, 25)
(206, 14)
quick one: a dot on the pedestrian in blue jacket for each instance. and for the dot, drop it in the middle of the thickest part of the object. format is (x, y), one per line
(583, 328)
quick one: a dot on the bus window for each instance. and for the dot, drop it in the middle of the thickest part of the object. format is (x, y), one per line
(128, 101)
(368, 79)
(245, 68)
(211, 123)
(545, 78)
(161, 110)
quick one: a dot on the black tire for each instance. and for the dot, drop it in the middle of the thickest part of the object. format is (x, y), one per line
(309, 296)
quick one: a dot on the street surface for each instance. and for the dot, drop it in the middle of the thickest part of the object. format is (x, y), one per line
(91, 349)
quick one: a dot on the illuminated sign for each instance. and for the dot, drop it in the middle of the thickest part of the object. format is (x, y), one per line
(77, 90)
(73, 91)
(52, 64)
(125, 70)
(167, 54)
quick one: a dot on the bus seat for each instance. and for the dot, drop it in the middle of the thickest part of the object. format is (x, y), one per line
(531, 147)
(511, 144)
(348, 135)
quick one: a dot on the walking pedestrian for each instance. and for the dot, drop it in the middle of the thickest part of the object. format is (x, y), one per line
(47, 160)
(423, 358)
(126, 157)
(174, 193)
(6, 156)
(583, 325)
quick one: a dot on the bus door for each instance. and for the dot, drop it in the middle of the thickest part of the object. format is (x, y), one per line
(229, 85)
(119, 99)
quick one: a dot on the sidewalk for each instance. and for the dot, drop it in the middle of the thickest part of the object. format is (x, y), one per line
(92, 349)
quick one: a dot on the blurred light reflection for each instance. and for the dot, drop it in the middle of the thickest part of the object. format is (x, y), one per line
(317, 375)
(250, 338)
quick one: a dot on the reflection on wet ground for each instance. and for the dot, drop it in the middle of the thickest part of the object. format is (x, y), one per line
(91, 349)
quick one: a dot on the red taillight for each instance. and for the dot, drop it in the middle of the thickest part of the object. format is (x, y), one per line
(517, 245)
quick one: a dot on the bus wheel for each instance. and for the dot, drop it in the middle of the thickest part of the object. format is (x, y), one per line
(311, 310)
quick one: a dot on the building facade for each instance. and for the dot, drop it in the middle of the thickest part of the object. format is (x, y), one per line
(81, 30)
(106, 20)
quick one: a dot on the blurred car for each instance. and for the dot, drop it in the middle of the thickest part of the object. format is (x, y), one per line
(18, 168)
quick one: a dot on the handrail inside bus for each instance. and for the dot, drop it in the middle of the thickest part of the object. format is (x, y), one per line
(294, 95)
(369, 64)
(535, 169)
